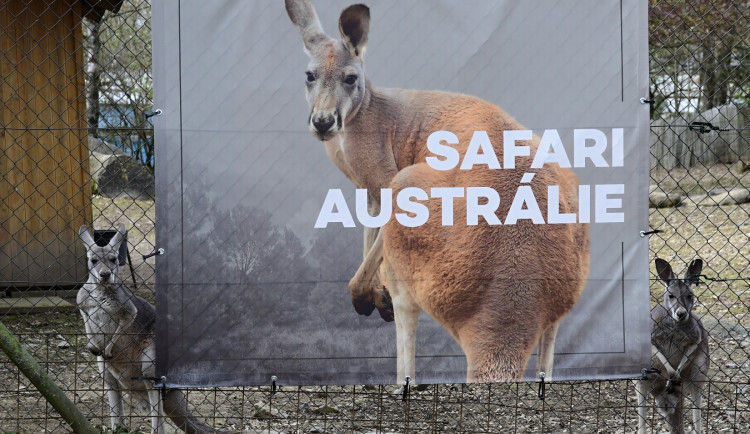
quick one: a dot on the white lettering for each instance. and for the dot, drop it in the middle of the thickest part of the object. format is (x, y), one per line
(553, 207)
(434, 144)
(447, 194)
(594, 153)
(419, 210)
(550, 141)
(386, 208)
(524, 195)
(604, 203)
(474, 209)
(334, 210)
(480, 141)
(510, 150)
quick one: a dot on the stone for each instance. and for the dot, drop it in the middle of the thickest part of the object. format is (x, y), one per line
(115, 174)
(326, 410)
(262, 410)
(740, 167)
(721, 197)
(659, 199)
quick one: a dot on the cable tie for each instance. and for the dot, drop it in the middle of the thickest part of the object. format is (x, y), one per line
(713, 279)
(647, 101)
(704, 127)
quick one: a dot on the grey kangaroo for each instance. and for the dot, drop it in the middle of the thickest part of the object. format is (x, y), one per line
(679, 345)
(120, 331)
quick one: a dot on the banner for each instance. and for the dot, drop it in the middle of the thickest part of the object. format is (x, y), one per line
(442, 190)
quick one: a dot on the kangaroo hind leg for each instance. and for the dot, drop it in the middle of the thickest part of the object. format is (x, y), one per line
(546, 350)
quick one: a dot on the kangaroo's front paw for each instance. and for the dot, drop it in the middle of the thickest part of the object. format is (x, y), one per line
(107, 354)
(384, 303)
(94, 350)
(673, 385)
(361, 296)
(363, 305)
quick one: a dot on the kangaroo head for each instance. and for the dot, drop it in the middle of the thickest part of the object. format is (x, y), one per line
(678, 297)
(103, 262)
(335, 76)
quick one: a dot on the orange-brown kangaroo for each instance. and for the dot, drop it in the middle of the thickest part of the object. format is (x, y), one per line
(499, 289)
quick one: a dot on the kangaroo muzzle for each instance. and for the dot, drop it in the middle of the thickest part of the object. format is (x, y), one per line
(679, 313)
(325, 125)
(106, 275)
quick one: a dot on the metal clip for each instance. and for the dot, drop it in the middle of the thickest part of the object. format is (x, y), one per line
(156, 112)
(163, 388)
(159, 383)
(273, 384)
(646, 371)
(646, 101)
(157, 252)
(540, 392)
(406, 389)
(655, 231)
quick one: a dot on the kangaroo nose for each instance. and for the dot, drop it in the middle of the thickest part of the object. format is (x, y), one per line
(323, 124)
(105, 273)
(681, 313)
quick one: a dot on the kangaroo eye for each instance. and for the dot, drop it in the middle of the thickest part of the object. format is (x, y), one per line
(671, 297)
(94, 261)
(310, 76)
(350, 79)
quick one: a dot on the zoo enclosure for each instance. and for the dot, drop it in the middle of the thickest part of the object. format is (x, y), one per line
(77, 147)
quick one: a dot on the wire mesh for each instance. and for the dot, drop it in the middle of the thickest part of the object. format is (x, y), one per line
(80, 72)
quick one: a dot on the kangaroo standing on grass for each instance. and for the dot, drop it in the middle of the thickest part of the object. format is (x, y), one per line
(499, 290)
(120, 331)
(679, 351)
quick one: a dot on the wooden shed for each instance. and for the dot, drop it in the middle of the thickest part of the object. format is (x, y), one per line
(45, 192)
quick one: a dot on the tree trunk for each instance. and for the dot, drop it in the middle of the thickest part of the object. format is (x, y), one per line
(93, 78)
(714, 76)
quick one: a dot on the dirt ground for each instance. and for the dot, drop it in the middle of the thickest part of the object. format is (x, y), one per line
(719, 235)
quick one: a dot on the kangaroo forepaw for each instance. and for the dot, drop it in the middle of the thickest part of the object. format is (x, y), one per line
(362, 305)
(384, 304)
(672, 385)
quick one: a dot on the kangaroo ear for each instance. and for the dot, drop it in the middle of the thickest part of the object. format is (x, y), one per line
(302, 13)
(85, 235)
(693, 270)
(664, 270)
(119, 236)
(354, 26)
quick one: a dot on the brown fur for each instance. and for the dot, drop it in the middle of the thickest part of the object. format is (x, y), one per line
(496, 289)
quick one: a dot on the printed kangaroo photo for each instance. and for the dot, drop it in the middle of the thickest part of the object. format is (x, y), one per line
(120, 331)
(499, 290)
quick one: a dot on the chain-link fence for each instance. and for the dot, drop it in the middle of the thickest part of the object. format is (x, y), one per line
(80, 72)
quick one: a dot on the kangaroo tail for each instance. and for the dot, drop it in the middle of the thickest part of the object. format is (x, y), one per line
(175, 407)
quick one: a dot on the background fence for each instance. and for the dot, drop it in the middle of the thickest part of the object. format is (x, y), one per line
(73, 73)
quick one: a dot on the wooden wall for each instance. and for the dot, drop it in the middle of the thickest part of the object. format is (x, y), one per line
(45, 193)
(674, 145)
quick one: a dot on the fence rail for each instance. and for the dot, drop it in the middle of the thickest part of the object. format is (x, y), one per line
(75, 94)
